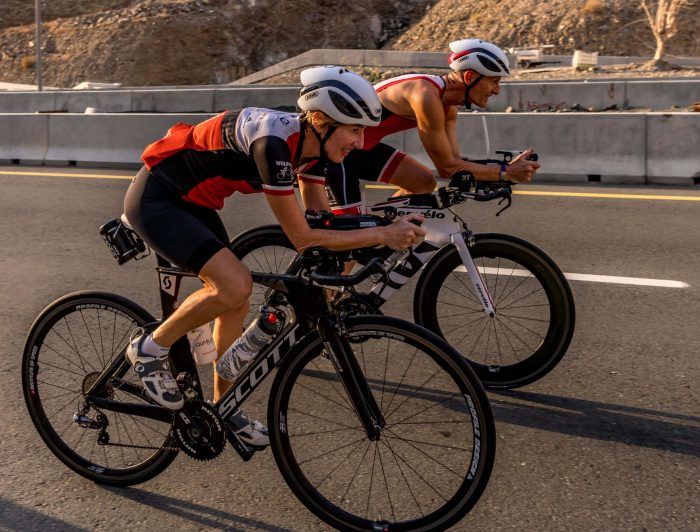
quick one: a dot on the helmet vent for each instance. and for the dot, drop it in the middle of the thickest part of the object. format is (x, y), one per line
(343, 105)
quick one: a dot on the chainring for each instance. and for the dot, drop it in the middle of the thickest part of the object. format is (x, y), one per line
(199, 430)
(353, 304)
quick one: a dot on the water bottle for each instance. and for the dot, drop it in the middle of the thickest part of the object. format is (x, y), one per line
(202, 345)
(389, 263)
(266, 326)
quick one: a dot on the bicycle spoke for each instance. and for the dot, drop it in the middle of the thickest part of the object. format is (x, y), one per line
(355, 475)
(526, 328)
(403, 460)
(321, 418)
(74, 347)
(408, 485)
(386, 483)
(341, 462)
(403, 377)
(316, 392)
(80, 358)
(429, 457)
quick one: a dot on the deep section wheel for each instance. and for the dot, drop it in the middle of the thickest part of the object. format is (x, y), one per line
(535, 316)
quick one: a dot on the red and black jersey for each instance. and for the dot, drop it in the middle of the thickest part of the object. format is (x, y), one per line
(391, 122)
(251, 150)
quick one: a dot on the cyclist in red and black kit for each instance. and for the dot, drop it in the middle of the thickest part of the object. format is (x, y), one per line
(173, 200)
(428, 103)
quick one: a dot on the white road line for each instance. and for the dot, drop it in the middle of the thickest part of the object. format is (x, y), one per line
(638, 281)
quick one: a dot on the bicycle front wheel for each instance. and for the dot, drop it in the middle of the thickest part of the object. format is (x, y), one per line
(535, 316)
(71, 342)
(434, 456)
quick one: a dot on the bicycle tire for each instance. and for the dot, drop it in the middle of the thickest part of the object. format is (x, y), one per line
(262, 249)
(71, 342)
(422, 386)
(517, 346)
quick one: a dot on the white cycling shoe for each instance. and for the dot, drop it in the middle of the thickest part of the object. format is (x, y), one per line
(252, 433)
(155, 374)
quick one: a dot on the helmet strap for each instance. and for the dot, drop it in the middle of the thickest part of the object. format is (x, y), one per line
(468, 87)
(323, 156)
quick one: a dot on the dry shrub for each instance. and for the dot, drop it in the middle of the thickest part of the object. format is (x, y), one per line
(593, 7)
(27, 61)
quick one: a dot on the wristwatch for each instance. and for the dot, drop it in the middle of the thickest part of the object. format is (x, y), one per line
(502, 173)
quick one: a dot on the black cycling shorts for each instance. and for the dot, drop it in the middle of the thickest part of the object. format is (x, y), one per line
(376, 164)
(185, 234)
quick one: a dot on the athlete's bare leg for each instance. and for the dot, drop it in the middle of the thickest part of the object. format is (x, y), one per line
(227, 328)
(412, 177)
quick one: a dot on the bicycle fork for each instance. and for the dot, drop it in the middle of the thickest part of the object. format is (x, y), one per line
(482, 292)
(354, 381)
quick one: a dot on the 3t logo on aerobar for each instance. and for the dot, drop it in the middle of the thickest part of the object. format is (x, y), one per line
(426, 214)
(252, 378)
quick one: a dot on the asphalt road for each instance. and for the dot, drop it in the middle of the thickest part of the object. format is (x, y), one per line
(610, 440)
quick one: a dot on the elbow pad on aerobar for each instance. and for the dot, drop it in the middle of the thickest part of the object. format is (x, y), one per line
(327, 220)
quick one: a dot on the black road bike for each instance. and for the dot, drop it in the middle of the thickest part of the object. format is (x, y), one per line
(375, 423)
(499, 300)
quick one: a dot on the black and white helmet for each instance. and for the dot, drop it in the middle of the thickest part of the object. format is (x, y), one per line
(343, 95)
(483, 57)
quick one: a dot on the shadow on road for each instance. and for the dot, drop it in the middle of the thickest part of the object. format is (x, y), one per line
(642, 427)
(16, 517)
(199, 514)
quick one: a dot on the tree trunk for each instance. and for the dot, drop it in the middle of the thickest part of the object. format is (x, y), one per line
(660, 49)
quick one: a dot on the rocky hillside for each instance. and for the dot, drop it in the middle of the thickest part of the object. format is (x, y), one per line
(184, 42)
(611, 27)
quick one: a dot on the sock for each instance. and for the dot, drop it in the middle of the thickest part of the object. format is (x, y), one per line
(149, 347)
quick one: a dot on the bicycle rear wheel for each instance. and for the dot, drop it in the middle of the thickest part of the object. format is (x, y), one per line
(434, 456)
(535, 315)
(262, 249)
(71, 342)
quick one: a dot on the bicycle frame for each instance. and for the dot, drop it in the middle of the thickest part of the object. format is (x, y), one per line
(305, 300)
(442, 229)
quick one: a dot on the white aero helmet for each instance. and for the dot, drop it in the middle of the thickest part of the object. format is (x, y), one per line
(483, 57)
(343, 95)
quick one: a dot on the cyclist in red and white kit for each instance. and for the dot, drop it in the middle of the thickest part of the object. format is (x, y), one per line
(173, 200)
(429, 104)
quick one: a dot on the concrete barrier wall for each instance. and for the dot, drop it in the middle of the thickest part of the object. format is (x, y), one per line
(571, 147)
(520, 96)
(209, 100)
(673, 146)
(614, 147)
(24, 137)
(115, 138)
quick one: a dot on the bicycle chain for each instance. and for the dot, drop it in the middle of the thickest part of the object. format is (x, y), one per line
(134, 446)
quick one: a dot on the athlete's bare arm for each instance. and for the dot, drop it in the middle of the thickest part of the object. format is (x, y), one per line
(399, 235)
(314, 196)
(451, 130)
(437, 131)
(429, 111)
